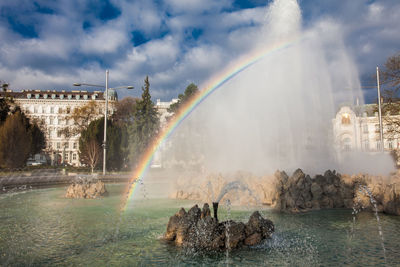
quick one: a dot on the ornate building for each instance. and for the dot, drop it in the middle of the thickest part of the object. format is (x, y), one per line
(51, 110)
(357, 128)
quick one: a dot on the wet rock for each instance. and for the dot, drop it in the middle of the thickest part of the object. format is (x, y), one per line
(235, 234)
(206, 212)
(198, 230)
(86, 189)
(253, 239)
(316, 191)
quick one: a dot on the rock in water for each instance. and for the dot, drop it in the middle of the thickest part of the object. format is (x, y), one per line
(86, 189)
(198, 230)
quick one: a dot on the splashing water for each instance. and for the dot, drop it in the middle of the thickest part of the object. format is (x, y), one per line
(367, 191)
(235, 185)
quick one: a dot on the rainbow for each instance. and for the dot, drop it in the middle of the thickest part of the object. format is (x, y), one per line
(188, 107)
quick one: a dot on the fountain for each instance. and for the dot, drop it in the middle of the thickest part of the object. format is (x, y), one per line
(274, 115)
(197, 230)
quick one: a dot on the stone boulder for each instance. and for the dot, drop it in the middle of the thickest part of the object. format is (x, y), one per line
(91, 189)
(196, 229)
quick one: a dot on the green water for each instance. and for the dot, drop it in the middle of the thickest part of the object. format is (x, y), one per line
(41, 227)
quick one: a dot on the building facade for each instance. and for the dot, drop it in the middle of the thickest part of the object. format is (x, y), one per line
(51, 110)
(357, 128)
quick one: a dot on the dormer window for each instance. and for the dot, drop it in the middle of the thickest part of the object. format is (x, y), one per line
(85, 97)
(45, 96)
(37, 96)
(94, 96)
(77, 97)
(53, 96)
(61, 96)
(69, 96)
(29, 96)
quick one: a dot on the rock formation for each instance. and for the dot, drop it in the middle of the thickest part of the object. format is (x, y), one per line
(86, 189)
(198, 230)
(300, 192)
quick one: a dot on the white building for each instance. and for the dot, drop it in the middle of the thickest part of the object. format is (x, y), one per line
(52, 109)
(162, 109)
(357, 128)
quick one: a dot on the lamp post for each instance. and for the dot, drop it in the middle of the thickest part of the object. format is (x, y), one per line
(105, 113)
(379, 109)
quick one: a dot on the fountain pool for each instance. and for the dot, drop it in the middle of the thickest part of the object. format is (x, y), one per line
(42, 227)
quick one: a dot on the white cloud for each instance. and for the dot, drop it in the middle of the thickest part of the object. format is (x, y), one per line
(170, 55)
(103, 40)
(196, 6)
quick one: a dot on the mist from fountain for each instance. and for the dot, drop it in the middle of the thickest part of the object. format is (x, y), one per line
(277, 113)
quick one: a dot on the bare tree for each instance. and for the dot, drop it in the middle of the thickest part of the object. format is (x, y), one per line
(90, 153)
(390, 81)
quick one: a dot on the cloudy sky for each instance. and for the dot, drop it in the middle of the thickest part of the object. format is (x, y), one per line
(52, 44)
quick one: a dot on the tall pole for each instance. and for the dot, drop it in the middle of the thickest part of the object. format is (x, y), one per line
(379, 109)
(105, 126)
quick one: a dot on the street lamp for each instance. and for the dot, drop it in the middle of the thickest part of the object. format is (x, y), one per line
(105, 112)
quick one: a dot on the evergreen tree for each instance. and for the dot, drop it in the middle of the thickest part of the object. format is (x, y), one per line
(145, 125)
(4, 109)
(190, 91)
(15, 141)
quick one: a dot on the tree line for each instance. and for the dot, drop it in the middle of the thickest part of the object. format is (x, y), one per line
(20, 138)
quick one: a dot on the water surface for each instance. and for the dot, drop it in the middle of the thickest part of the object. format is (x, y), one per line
(41, 227)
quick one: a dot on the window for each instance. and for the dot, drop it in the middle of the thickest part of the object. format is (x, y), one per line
(365, 128)
(346, 144)
(366, 144)
(75, 145)
(390, 144)
(35, 109)
(68, 110)
(378, 144)
(58, 134)
(74, 156)
(345, 118)
(51, 109)
(77, 97)
(58, 145)
(67, 145)
(51, 121)
(66, 156)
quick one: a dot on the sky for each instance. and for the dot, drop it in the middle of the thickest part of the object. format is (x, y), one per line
(53, 44)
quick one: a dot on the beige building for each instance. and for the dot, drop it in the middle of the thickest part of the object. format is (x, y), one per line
(357, 128)
(51, 109)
